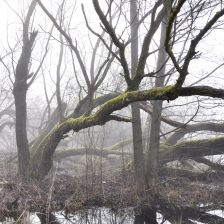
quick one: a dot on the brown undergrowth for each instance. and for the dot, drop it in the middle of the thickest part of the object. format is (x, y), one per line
(115, 190)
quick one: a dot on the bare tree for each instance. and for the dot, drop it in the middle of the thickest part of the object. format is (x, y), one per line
(94, 108)
(154, 140)
(22, 74)
(136, 117)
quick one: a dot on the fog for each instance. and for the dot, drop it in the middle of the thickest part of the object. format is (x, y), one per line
(114, 106)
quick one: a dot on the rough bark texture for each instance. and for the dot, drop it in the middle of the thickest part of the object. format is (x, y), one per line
(20, 91)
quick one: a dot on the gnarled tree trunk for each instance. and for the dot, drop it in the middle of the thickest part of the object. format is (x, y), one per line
(20, 91)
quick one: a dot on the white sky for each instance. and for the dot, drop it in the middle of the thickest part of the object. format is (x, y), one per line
(11, 27)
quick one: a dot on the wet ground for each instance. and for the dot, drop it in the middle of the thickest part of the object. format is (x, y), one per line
(103, 215)
(175, 199)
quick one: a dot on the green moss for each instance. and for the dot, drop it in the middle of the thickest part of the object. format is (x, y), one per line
(72, 122)
(169, 92)
(120, 102)
(153, 94)
(159, 91)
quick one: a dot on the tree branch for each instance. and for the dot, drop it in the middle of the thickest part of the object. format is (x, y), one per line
(115, 40)
(192, 149)
(42, 160)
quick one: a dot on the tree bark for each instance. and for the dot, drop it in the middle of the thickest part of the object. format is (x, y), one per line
(192, 149)
(136, 116)
(154, 140)
(42, 158)
(20, 91)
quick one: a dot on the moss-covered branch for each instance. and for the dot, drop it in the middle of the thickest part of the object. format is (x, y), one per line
(42, 159)
(192, 149)
(189, 128)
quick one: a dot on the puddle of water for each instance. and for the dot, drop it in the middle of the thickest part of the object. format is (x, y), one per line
(99, 216)
(219, 213)
(91, 216)
(196, 222)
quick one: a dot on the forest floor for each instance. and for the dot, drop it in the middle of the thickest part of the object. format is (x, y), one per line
(115, 190)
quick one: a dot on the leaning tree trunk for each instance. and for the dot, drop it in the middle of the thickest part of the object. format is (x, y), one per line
(154, 140)
(136, 117)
